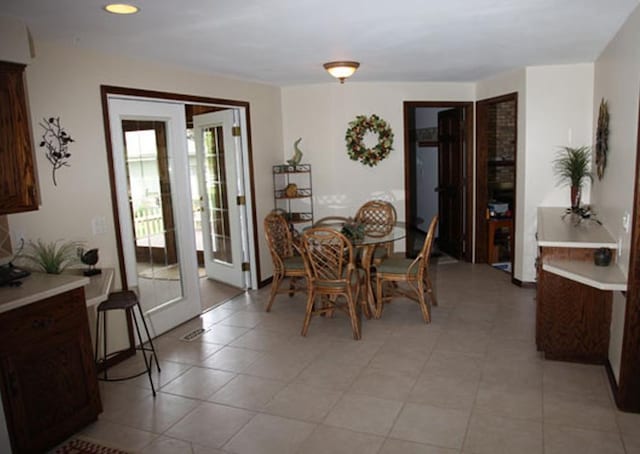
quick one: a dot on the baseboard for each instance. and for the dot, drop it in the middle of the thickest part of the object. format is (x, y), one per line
(265, 282)
(522, 284)
(612, 380)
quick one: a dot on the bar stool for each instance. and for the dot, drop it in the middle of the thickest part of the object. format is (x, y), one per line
(128, 301)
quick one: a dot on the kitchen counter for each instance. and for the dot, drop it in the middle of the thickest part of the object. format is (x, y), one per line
(559, 233)
(554, 230)
(40, 286)
(574, 296)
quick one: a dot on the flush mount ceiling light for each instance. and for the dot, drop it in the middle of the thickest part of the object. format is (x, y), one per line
(121, 8)
(341, 69)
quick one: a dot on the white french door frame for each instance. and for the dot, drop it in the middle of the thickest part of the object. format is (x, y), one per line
(174, 312)
(248, 222)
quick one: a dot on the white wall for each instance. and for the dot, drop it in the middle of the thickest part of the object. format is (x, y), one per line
(65, 82)
(616, 80)
(320, 114)
(502, 84)
(554, 109)
(559, 103)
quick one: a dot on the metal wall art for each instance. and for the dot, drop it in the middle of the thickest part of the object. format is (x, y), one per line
(602, 139)
(55, 141)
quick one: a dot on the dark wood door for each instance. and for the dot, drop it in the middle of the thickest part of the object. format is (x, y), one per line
(450, 182)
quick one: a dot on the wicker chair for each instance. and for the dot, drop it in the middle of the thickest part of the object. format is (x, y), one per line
(379, 218)
(286, 263)
(414, 273)
(331, 274)
(331, 221)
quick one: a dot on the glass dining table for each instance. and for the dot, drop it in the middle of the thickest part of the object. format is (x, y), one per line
(368, 245)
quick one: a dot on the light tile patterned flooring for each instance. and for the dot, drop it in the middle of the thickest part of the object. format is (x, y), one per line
(470, 382)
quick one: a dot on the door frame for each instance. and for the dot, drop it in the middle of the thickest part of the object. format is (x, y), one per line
(248, 171)
(482, 188)
(468, 139)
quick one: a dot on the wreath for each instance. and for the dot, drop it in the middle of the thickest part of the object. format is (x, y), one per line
(358, 128)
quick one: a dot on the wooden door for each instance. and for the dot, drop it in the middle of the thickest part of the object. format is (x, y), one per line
(450, 182)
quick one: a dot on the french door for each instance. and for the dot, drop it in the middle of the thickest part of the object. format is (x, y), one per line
(149, 149)
(220, 182)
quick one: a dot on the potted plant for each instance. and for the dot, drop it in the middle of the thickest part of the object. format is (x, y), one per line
(52, 257)
(573, 167)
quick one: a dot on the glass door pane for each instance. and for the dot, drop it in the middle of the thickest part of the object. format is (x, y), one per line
(216, 195)
(149, 188)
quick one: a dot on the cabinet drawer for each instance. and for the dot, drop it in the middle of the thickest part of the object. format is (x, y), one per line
(42, 319)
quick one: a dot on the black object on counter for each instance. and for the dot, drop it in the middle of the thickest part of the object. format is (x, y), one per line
(602, 256)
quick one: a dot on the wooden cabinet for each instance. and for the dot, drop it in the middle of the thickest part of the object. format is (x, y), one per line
(17, 170)
(47, 374)
(573, 320)
(292, 192)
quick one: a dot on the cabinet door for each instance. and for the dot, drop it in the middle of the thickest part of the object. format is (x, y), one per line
(17, 172)
(47, 374)
(575, 320)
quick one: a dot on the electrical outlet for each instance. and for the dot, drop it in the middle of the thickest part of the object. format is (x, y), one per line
(99, 225)
(626, 218)
(619, 250)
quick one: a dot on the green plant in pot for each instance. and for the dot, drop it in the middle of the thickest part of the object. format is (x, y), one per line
(573, 168)
(51, 257)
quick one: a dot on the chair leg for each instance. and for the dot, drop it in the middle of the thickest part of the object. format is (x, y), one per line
(307, 315)
(277, 279)
(104, 345)
(423, 305)
(379, 296)
(95, 357)
(146, 330)
(148, 363)
(292, 286)
(432, 296)
(355, 321)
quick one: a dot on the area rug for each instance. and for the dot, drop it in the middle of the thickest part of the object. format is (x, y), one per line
(80, 446)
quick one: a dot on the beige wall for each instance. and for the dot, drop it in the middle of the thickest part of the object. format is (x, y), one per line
(65, 82)
(320, 115)
(559, 103)
(502, 84)
(616, 80)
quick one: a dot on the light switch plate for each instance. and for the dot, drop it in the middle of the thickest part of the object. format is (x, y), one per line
(626, 217)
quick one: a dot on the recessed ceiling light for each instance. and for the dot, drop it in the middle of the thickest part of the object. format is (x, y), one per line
(121, 8)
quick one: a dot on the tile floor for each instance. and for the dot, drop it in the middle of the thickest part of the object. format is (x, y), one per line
(470, 382)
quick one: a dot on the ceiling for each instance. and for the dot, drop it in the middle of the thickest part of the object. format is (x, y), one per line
(285, 42)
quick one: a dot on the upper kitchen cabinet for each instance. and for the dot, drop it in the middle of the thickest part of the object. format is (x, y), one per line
(17, 168)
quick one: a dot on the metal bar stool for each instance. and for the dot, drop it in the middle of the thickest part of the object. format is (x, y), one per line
(127, 301)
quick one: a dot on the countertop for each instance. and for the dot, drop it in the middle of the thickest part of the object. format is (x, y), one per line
(559, 232)
(39, 286)
(554, 230)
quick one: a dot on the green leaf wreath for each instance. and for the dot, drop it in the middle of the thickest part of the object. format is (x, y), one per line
(358, 128)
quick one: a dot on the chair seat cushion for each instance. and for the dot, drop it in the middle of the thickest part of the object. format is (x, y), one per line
(396, 265)
(294, 263)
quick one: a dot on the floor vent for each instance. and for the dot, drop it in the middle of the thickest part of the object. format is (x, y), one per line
(193, 335)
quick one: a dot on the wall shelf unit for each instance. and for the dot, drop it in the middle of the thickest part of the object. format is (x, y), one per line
(292, 193)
